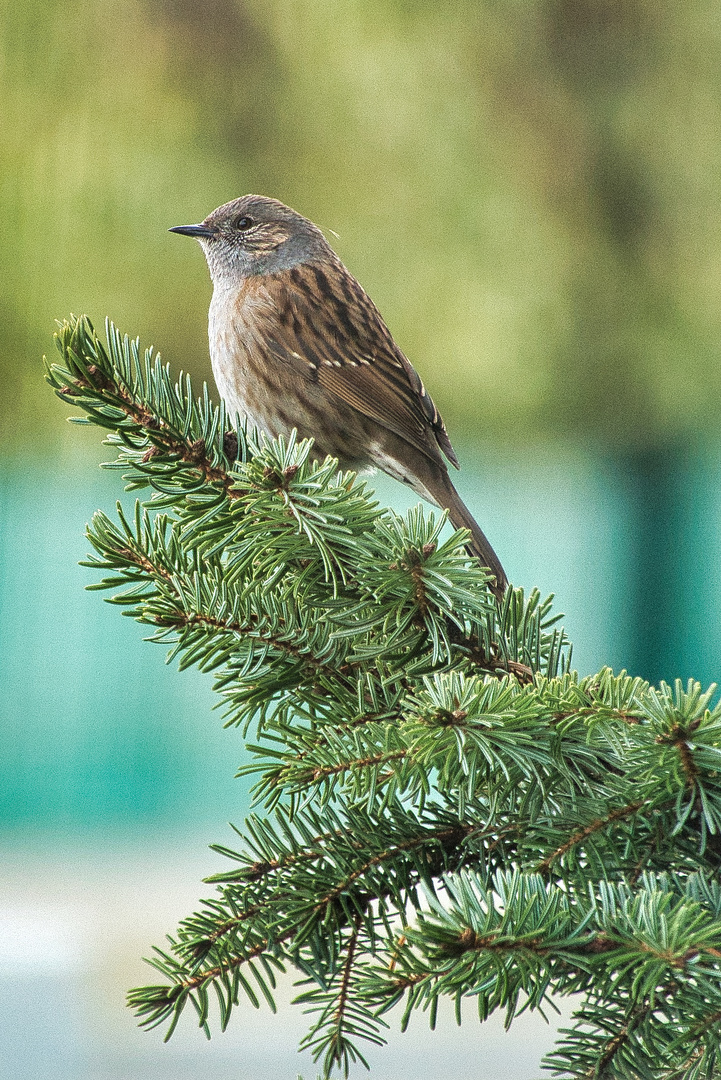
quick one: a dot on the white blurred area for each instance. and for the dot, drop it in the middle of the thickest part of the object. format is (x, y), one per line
(75, 921)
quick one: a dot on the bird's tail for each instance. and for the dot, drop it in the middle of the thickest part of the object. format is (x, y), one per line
(461, 518)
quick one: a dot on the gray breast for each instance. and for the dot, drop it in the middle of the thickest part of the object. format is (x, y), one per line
(238, 355)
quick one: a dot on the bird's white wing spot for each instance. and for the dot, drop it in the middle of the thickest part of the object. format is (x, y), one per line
(390, 465)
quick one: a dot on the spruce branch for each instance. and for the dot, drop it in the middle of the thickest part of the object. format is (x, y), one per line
(443, 807)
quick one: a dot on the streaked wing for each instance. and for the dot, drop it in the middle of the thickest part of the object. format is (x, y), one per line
(330, 331)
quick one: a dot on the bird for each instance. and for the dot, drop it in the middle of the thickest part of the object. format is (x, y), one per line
(297, 343)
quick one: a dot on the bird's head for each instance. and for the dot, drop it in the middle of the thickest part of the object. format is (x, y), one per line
(255, 235)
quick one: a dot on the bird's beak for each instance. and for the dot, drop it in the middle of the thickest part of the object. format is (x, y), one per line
(198, 231)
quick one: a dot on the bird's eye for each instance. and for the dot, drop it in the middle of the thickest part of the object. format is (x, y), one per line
(244, 223)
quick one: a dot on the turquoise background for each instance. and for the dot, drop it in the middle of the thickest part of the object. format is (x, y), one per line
(98, 731)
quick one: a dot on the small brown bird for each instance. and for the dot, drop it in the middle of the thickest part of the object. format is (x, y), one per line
(295, 342)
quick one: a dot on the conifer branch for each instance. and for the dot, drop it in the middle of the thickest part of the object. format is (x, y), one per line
(100, 383)
(446, 808)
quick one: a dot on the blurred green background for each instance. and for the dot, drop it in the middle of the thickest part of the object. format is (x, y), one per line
(530, 190)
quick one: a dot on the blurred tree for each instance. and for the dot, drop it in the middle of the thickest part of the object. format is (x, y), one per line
(117, 152)
(529, 190)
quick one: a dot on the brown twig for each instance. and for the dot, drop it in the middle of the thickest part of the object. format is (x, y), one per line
(360, 763)
(347, 971)
(212, 973)
(586, 831)
(614, 1045)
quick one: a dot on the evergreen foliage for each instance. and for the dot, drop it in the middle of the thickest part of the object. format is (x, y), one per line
(443, 807)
